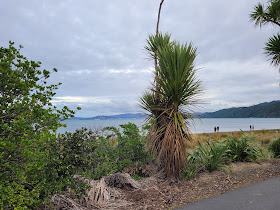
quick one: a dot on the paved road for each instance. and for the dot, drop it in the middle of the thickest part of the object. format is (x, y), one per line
(263, 195)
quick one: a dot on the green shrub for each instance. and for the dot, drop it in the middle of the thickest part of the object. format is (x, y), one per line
(242, 149)
(28, 124)
(209, 156)
(115, 150)
(130, 145)
(73, 151)
(189, 171)
(70, 154)
(275, 148)
(103, 169)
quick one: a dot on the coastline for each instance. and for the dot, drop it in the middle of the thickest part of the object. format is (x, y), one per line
(205, 125)
(244, 131)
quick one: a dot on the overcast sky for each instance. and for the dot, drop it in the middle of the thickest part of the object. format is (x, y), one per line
(98, 48)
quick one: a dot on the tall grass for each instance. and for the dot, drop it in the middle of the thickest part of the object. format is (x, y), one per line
(263, 137)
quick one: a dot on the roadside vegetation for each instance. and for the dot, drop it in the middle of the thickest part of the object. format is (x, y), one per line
(28, 124)
(216, 154)
(275, 148)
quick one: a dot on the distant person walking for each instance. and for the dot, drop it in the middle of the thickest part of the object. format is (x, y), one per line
(250, 127)
(218, 129)
(215, 129)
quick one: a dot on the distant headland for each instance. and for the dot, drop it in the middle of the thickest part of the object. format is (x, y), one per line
(262, 110)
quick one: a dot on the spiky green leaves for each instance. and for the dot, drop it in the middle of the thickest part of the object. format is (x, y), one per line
(263, 16)
(177, 75)
(176, 85)
(272, 49)
(156, 42)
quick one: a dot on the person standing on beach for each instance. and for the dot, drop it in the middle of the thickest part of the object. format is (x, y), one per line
(250, 127)
(218, 129)
(215, 129)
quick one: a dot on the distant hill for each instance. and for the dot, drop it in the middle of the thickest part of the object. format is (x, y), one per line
(263, 110)
(120, 116)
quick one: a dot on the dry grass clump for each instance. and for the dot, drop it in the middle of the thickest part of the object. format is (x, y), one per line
(264, 137)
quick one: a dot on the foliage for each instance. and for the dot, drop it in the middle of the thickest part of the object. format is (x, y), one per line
(69, 154)
(176, 88)
(28, 122)
(272, 49)
(210, 156)
(269, 15)
(189, 171)
(215, 155)
(275, 148)
(242, 149)
(76, 149)
(130, 145)
(157, 42)
(115, 150)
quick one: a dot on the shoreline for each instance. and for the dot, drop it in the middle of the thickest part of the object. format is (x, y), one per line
(196, 127)
(246, 131)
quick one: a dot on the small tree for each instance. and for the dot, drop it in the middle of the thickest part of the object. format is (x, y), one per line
(269, 15)
(175, 87)
(28, 122)
(178, 88)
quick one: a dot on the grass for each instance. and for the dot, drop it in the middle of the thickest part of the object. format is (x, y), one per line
(212, 151)
(263, 137)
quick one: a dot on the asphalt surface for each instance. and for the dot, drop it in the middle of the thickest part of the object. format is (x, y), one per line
(263, 195)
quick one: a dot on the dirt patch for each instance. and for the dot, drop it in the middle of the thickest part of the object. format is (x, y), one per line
(163, 195)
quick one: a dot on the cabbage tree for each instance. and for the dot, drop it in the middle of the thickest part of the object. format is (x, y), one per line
(262, 16)
(178, 90)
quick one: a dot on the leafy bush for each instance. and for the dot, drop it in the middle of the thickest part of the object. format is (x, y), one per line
(189, 171)
(115, 150)
(69, 154)
(27, 126)
(130, 145)
(275, 148)
(242, 149)
(73, 151)
(94, 154)
(210, 156)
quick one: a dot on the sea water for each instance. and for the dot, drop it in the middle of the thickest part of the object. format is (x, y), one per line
(204, 125)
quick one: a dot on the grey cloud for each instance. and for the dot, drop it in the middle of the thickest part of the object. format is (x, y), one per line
(95, 43)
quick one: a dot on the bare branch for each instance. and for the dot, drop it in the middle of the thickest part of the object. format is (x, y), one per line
(159, 16)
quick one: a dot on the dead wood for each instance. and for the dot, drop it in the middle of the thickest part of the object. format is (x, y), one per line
(120, 180)
(107, 191)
